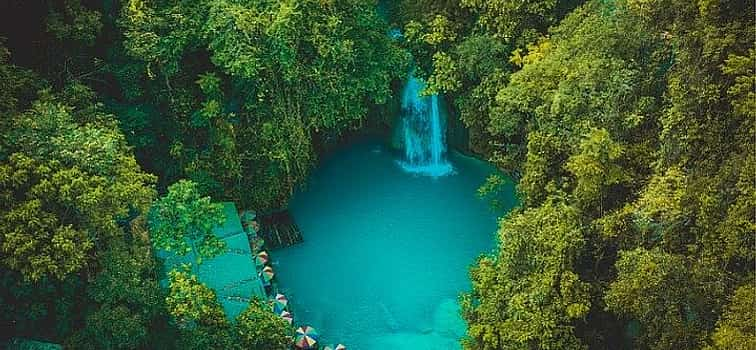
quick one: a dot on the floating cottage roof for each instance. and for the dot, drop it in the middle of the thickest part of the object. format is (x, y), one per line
(232, 274)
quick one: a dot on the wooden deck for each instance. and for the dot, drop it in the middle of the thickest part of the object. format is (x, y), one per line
(279, 230)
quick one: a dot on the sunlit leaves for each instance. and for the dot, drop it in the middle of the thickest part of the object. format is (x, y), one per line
(34, 241)
(445, 74)
(527, 294)
(260, 329)
(660, 205)
(665, 295)
(624, 120)
(596, 167)
(182, 221)
(65, 189)
(735, 329)
(198, 313)
(741, 69)
(535, 52)
(541, 174)
(191, 302)
(508, 19)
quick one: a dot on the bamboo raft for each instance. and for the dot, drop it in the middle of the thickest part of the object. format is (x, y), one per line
(279, 230)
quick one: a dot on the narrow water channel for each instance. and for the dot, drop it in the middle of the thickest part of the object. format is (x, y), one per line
(385, 251)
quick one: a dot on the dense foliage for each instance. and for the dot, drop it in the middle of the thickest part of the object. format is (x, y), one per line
(247, 86)
(76, 263)
(259, 329)
(182, 221)
(234, 96)
(630, 126)
(203, 324)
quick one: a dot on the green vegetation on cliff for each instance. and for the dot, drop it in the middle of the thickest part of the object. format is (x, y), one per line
(629, 125)
(233, 96)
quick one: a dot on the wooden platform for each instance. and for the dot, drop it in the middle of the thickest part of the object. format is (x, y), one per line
(279, 230)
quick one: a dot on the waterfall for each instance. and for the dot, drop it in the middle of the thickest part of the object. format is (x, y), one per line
(422, 131)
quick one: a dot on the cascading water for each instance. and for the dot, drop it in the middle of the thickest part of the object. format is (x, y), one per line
(423, 131)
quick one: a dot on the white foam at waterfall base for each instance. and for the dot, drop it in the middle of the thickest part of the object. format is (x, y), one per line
(432, 170)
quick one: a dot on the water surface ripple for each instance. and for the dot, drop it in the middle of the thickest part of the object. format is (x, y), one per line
(386, 252)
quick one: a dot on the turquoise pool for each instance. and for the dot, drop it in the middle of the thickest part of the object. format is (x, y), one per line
(386, 252)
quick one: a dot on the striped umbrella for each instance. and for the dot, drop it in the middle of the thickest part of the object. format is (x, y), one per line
(261, 258)
(307, 338)
(287, 316)
(267, 273)
(280, 298)
(280, 302)
(257, 244)
(335, 347)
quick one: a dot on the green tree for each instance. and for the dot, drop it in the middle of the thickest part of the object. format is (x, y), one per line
(182, 221)
(35, 242)
(65, 187)
(111, 328)
(528, 295)
(260, 329)
(511, 20)
(217, 168)
(541, 177)
(70, 21)
(71, 189)
(596, 168)
(635, 113)
(735, 329)
(192, 303)
(130, 311)
(666, 294)
(198, 314)
(660, 212)
(291, 73)
(21, 86)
